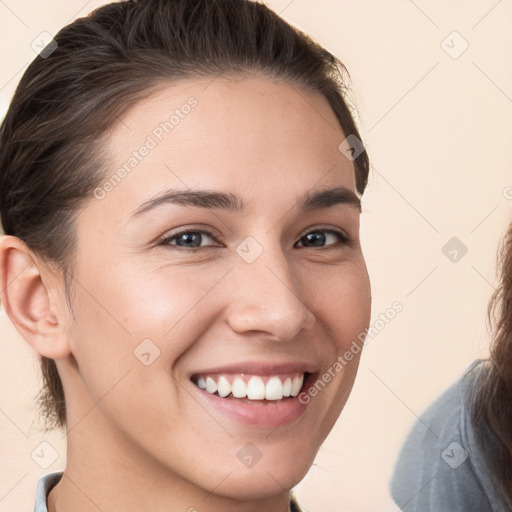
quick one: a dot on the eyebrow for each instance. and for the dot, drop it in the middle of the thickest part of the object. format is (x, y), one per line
(213, 199)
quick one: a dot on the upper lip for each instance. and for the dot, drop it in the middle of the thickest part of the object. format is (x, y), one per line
(262, 368)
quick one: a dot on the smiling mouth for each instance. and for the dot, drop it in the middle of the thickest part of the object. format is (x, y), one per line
(266, 389)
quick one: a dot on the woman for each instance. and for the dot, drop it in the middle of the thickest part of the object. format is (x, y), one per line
(458, 457)
(180, 187)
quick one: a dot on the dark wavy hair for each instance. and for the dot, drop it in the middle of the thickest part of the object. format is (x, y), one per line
(52, 138)
(492, 414)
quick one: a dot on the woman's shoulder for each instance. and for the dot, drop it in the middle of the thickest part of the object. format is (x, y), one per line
(439, 464)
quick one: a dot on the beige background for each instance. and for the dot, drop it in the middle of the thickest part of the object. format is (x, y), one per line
(438, 131)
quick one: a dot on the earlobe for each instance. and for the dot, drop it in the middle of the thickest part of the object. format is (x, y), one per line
(26, 299)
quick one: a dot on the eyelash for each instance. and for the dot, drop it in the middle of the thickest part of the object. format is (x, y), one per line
(342, 238)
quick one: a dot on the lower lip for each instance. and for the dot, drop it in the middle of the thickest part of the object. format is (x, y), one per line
(258, 414)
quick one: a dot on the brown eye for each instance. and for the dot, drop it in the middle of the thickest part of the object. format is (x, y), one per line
(318, 238)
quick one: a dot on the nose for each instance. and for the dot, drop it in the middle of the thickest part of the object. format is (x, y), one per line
(268, 297)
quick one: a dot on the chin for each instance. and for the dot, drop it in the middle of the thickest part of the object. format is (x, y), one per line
(260, 482)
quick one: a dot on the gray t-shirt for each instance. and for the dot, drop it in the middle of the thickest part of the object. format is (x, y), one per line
(440, 467)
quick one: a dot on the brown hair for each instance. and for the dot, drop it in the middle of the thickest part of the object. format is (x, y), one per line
(51, 152)
(492, 414)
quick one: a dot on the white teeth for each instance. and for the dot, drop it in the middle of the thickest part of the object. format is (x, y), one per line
(287, 387)
(239, 388)
(255, 389)
(274, 389)
(223, 387)
(211, 385)
(296, 385)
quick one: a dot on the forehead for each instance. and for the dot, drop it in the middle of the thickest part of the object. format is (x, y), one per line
(249, 135)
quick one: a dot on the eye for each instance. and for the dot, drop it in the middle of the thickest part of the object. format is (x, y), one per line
(318, 237)
(191, 239)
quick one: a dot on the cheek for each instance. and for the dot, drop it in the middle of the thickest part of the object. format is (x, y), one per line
(344, 309)
(169, 305)
(344, 303)
(169, 291)
(124, 358)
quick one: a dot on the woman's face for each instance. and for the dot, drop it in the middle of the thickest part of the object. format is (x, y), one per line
(270, 290)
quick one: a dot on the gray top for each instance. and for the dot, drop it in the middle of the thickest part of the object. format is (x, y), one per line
(440, 468)
(46, 483)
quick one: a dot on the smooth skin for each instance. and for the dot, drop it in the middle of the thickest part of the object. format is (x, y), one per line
(138, 436)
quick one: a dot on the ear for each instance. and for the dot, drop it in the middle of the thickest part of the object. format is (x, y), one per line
(29, 296)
